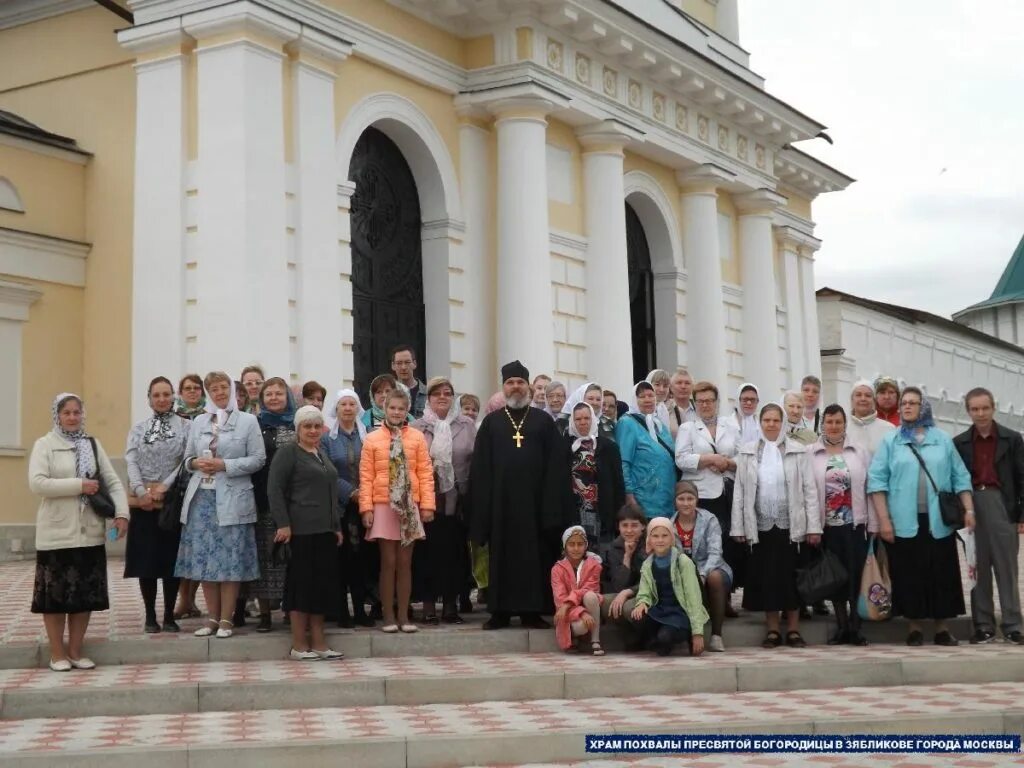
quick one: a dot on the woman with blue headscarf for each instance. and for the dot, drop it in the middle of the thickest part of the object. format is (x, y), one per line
(911, 465)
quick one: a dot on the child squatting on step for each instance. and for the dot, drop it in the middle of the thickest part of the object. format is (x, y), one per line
(576, 586)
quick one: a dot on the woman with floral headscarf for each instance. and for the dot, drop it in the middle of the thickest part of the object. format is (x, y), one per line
(910, 467)
(441, 563)
(68, 468)
(156, 447)
(595, 475)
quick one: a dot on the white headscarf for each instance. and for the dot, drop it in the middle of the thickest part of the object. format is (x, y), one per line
(750, 428)
(771, 474)
(85, 460)
(661, 407)
(652, 428)
(592, 436)
(863, 420)
(222, 413)
(330, 412)
(576, 397)
(441, 445)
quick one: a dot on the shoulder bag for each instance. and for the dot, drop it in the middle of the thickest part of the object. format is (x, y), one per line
(101, 502)
(950, 507)
(169, 514)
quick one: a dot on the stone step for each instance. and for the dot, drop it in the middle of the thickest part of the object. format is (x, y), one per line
(401, 681)
(493, 732)
(468, 639)
(787, 760)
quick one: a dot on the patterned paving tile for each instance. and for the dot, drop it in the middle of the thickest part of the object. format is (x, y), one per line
(277, 726)
(791, 761)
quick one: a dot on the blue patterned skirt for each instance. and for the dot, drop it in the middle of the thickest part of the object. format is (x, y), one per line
(213, 552)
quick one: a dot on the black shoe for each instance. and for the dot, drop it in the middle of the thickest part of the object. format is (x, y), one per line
(431, 620)
(497, 621)
(805, 613)
(345, 622)
(982, 636)
(945, 638)
(820, 609)
(265, 624)
(533, 621)
(465, 604)
(362, 620)
(481, 596)
(377, 612)
(839, 637)
(152, 628)
(452, 618)
(239, 618)
(915, 638)
(856, 638)
(170, 625)
(1014, 637)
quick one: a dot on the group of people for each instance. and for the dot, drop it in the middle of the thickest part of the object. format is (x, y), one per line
(575, 505)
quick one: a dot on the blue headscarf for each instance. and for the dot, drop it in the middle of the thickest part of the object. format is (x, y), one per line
(285, 418)
(924, 418)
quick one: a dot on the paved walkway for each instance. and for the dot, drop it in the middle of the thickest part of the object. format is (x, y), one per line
(794, 761)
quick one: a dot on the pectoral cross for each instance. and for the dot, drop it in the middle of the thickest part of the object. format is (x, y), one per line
(518, 438)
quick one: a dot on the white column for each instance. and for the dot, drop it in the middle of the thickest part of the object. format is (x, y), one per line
(525, 328)
(795, 344)
(757, 270)
(810, 304)
(727, 20)
(319, 301)
(609, 341)
(242, 294)
(158, 262)
(481, 377)
(705, 311)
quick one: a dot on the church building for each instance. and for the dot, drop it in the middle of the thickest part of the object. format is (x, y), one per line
(595, 187)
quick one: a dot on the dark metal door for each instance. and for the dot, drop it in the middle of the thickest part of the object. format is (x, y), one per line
(641, 296)
(387, 262)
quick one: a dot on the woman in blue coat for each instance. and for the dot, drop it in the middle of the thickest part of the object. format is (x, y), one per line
(922, 548)
(648, 455)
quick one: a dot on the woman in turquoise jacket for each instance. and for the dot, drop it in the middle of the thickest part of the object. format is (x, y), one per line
(648, 455)
(922, 549)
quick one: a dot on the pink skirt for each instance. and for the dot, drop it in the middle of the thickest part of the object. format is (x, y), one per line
(385, 524)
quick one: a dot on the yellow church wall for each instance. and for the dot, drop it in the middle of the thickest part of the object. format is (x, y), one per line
(358, 78)
(730, 267)
(85, 41)
(54, 325)
(387, 18)
(479, 52)
(701, 10)
(567, 217)
(52, 192)
(798, 205)
(97, 108)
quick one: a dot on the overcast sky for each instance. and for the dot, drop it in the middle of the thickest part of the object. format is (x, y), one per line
(923, 99)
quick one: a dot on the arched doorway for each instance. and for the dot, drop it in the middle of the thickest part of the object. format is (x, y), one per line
(641, 296)
(387, 260)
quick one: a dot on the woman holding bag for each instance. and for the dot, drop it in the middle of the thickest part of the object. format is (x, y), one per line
(910, 464)
(156, 446)
(847, 515)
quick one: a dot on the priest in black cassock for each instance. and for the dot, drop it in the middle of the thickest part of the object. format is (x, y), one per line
(519, 487)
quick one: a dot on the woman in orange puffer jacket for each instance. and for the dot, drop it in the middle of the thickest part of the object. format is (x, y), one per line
(396, 496)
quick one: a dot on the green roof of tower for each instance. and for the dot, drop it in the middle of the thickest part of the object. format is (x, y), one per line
(1010, 287)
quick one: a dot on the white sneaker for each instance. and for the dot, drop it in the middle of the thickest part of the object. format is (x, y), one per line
(329, 654)
(82, 663)
(303, 655)
(715, 644)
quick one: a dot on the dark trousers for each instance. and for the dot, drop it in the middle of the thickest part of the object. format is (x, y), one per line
(354, 554)
(661, 638)
(996, 542)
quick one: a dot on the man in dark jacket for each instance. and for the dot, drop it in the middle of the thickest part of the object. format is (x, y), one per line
(994, 455)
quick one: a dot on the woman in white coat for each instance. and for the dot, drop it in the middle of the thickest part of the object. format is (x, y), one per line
(775, 510)
(67, 468)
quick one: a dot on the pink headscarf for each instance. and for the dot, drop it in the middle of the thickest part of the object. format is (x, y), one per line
(496, 403)
(656, 522)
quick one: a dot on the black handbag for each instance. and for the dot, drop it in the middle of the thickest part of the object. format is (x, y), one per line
(822, 579)
(951, 508)
(281, 554)
(102, 502)
(169, 516)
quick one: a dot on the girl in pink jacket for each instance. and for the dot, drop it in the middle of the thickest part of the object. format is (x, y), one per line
(576, 586)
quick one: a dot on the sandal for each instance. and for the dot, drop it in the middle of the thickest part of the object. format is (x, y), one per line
(772, 640)
(410, 628)
(795, 640)
(209, 629)
(225, 632)
(389, 628)
(596, 649)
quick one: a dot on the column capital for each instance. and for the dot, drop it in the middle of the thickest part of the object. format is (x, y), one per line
(473, 115)
(704, 179)
(161, 39)
(328, 49)
(760, 202)
(523, 101)
(607, 137)
(792, 239)
(15, 299)
(245, 20)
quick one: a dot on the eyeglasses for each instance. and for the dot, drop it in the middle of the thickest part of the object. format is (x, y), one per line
(706, 401)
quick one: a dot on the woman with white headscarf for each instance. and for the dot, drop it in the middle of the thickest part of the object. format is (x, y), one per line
(648, 454)
(775, 510)
(68, 468)
(592, 394)
(441, 562)
(595, 472)
(343, 444)
(744, 416)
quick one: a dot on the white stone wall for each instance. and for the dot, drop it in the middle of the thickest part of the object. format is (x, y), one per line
(569, 315)
(943, 362)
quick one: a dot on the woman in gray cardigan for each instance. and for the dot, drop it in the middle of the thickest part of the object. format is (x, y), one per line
(302, 491)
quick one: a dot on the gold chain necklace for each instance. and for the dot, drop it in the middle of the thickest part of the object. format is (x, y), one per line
(518, 435)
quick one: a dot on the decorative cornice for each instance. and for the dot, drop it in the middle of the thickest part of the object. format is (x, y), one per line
(807, 174)
(244, 17)
(32, 256)
(327, 47)
(704, 176)
(78, 157)
(143, 38)
(760, 201)
(792, 239)
(15, 299)
(443, 229)
(14, 13)
(568, 244)
(607, 133)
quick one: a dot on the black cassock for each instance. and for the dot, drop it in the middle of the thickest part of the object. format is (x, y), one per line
(520, 506)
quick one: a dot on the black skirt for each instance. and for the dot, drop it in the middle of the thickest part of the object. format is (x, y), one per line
(150, 552)
(771, 573)
(850, 544)
(439, 561)
(71, 580)
(926, 576)
(313, 577)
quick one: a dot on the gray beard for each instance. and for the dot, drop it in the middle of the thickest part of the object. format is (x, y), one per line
(515, 403)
